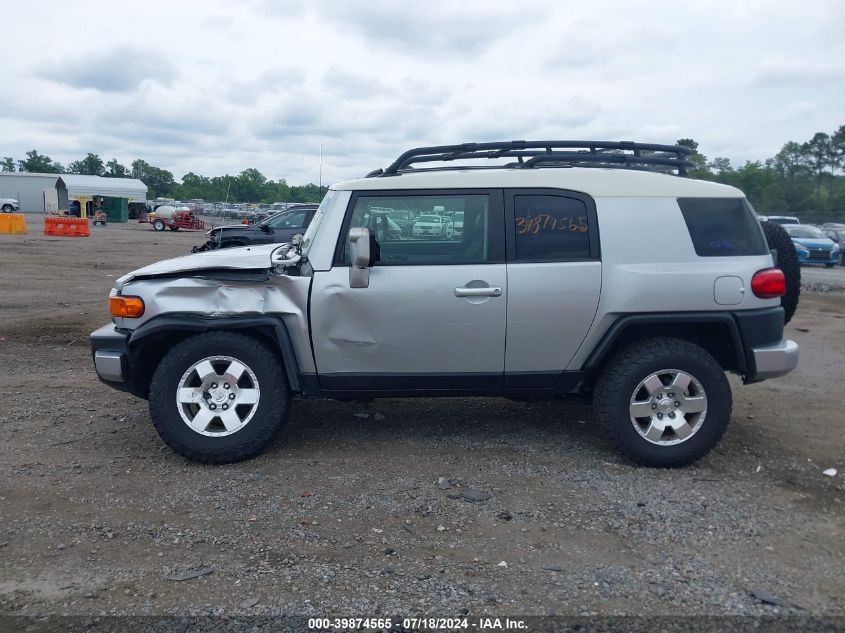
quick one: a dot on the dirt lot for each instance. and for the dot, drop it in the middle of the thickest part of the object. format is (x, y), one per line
(343, 514)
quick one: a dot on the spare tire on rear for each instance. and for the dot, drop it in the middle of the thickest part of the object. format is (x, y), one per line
(787, 260)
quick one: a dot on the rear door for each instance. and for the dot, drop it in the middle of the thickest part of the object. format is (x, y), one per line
(554, 281)
(434, 314)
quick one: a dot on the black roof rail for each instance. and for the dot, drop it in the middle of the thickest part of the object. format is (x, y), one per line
(529, 154)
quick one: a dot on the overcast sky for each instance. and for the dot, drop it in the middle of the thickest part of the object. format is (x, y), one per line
(216, 87)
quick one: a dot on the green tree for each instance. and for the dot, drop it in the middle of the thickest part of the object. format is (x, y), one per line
(91, 165)
(36, 163)
(7, 164)
(249, 185)
(721, 165)
(115, 170)
(700, 160)
(159, 181)
(837, 146)
(194, 186)
(820, 151)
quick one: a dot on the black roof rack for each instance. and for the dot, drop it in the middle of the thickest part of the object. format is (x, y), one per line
(528, 154)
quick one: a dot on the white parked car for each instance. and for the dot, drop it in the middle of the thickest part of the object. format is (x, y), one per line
(428, 226)
(455, 228)
(9, 205)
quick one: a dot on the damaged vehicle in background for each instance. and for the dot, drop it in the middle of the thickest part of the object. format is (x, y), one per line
(276, 229)
(579, 274)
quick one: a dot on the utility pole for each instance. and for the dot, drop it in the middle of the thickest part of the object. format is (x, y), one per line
(321, 169)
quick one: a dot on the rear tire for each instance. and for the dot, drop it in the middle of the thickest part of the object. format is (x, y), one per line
(7, 208)
(628, 385)
(779, 240)
(158, 225)
(256, 401)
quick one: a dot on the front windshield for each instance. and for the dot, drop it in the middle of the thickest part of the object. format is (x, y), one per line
(430, 218)
(459, 217)
(810, 232)
(311, 231)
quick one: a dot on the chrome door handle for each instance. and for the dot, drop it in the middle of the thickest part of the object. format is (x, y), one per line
(492, 291)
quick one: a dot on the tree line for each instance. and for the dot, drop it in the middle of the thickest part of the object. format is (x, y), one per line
(803, 178)
(248, 186)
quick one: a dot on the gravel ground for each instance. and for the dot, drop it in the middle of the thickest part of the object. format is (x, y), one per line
(399, 506)
(823, 280)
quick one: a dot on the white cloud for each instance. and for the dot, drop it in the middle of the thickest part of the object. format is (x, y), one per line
(215, 87)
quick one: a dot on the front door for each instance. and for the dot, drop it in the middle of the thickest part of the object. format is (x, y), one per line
(434, 314)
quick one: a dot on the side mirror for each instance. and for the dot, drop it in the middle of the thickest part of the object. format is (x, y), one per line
(361, 257)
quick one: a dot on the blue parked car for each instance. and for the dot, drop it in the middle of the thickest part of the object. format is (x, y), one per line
(813, 247)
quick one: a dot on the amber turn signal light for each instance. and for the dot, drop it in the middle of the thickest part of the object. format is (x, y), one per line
(126, 307)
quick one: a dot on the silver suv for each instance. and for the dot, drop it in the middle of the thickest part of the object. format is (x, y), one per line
(579, 273)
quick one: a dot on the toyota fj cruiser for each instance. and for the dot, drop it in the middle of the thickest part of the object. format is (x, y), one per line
(579, 272)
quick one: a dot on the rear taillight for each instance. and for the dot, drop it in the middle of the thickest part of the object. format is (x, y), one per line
(769, 283)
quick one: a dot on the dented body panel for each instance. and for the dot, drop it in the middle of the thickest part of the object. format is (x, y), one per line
(244, 258)
(282, 296)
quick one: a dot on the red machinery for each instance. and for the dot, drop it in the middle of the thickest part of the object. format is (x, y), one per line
(178, 219)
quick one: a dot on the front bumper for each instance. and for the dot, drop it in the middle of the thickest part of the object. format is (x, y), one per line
(818, 257)
(111, 357)
(775, 360)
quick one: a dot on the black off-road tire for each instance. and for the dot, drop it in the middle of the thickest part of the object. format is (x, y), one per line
(779, 240)
(258, 432)
(7, 208)
(632, 364)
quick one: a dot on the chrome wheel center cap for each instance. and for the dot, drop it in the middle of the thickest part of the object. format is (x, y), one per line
(219, 396)
(665, 405)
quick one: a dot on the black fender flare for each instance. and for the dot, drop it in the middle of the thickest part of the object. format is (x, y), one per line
(195, 323)
(605, 345)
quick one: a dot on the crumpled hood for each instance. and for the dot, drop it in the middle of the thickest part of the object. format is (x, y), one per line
(231, 227)
(241, 258)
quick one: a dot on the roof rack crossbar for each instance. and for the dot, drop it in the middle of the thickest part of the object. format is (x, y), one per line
(535, 153)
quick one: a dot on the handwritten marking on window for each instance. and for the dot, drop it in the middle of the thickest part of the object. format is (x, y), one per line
(547, 223)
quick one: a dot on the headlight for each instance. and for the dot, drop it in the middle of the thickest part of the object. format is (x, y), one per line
(835, 248)
(802, 249)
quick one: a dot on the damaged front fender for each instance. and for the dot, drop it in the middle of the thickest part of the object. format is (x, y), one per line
(224, 294)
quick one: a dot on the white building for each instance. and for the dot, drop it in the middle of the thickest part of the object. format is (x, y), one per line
(51, 193)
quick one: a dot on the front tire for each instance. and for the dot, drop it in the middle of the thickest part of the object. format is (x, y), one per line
(663, 402)
(7, 208)
(219, 397)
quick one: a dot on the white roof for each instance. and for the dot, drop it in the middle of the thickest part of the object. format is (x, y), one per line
(596, 182)
(100, 186)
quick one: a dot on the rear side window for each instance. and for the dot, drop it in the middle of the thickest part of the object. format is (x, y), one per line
(723, 227)
(550, 228)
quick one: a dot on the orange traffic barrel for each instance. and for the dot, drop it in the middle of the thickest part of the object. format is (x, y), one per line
(66, 226)
(12, 223)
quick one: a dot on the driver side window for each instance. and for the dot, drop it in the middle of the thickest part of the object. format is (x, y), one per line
(449, 228)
